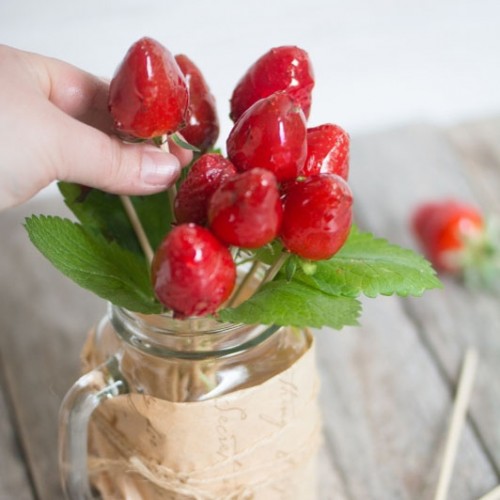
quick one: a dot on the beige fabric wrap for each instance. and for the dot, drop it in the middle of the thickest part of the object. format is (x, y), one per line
(256, 443)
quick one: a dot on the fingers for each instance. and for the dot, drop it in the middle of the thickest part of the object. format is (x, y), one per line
(88, 156)
(76, 92)
(83, 96)
(185, 155)
(56, 126)
(71, 89)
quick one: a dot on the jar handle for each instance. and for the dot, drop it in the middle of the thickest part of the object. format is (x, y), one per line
(88, 392)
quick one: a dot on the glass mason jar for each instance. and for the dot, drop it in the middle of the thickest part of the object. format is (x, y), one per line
(193, 408)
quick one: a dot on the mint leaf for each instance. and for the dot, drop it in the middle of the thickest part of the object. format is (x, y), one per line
(111, 272)
(103, 214)
(371, 266)
(294, 304)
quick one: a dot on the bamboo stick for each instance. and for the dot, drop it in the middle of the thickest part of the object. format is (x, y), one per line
(456, 422)
(494, 494)
(138, 229)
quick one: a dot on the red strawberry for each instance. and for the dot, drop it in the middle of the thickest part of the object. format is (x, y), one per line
(270, 134)
(193, 273)
(327, 151)
(448, 230)
(148, 96)
(246, 211)
(317, 216)
(202, 127)
(282, 68)
(205, 176)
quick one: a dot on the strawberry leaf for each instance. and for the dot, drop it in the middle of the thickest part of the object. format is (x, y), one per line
(103, 214)
(183, 144)
(371, 266)
(111, 272)
(155, 215)
(294, 304)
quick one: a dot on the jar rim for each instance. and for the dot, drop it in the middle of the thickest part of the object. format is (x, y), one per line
(166, 324)
(195, 338)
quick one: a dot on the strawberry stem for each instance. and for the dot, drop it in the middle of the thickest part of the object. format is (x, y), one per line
(138, 228)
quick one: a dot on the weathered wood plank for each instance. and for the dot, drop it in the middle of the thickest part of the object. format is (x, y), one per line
(14, 481)
(43, 321)
(478, 144)
(387, 407)
(392, 174)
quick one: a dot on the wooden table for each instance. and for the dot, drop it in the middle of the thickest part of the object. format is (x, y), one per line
(387, 386)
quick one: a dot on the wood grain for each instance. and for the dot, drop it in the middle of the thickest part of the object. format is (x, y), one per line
(386, 408)
(43, 320)
(448, 320)
(14, 480)
(478, 144)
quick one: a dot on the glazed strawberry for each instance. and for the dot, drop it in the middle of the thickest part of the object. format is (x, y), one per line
(246, 211)
(202, 123)
(317, 216)
(193, 273)
(447, 230)
(327, 151)
(270, 134)
(282, 68)
(148, 96)
(204, 177)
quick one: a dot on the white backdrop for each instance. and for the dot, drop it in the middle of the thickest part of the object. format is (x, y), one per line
(378, 63)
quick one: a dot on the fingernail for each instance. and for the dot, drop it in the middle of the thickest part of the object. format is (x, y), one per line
(159, 168)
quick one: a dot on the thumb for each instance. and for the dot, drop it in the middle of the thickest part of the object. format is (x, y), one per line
(87, 156)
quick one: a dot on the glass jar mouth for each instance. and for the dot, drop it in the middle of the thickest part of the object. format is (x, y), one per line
(193, 338)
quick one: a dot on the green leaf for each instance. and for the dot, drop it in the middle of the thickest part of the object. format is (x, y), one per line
(371, 266)
(103, 214)
(290, 267)
(155, 215)
(111, 272)
(214, 150)
(184, 144)
(268, 253)
(294, 304)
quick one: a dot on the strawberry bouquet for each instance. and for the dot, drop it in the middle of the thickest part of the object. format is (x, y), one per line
(277, 212)
(260, 237)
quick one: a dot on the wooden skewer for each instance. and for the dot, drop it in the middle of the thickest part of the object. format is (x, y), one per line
(242, 288)
(274, 269)
(172, 190)
(457, 420)
(134, 218)
(494, 494)
(139, 230)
